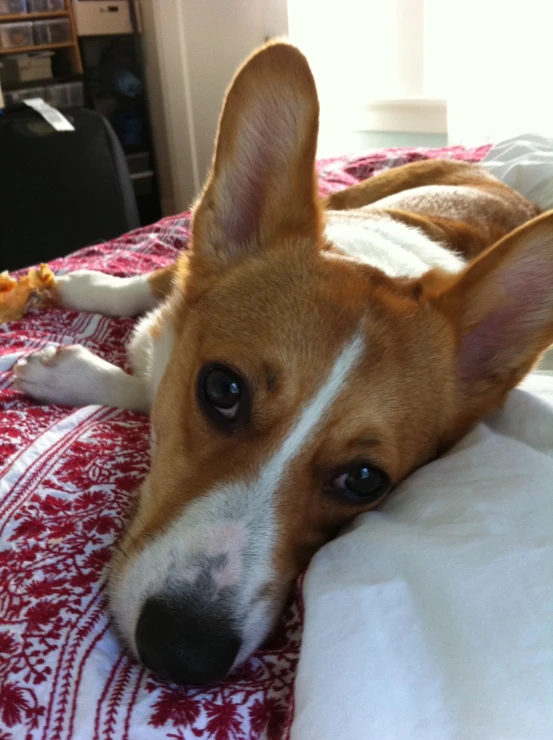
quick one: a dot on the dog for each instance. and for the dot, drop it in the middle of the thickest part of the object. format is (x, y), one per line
(301, 359)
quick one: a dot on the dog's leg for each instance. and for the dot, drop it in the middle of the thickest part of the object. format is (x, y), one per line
(74, 376)
(87, 290)
(414, 175)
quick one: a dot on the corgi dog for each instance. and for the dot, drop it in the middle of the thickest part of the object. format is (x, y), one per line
(297, 362)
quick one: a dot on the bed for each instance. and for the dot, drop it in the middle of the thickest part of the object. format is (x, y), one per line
(67, 478)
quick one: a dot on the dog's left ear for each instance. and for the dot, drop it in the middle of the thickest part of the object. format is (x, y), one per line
(502, 307)
(263, 180)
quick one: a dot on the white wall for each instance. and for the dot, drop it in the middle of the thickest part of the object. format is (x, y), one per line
(158, 117)
(192, 49)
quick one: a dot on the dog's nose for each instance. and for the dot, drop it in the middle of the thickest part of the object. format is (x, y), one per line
(180, 647)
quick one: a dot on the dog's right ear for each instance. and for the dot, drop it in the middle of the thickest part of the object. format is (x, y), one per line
(263, 180)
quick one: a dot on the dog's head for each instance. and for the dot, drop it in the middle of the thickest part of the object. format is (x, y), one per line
(301, 386)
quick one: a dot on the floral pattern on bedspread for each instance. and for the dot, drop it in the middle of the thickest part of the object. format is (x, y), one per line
(67, 478)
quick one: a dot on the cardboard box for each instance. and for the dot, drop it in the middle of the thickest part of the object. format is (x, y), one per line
(98, 18)
(25, 68)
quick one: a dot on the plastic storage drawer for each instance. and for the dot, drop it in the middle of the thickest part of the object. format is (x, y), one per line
(12, 7)
(52, 32)
(75, 94)
(66, 95)
(16, 35)
(14, 97)
(45, 6)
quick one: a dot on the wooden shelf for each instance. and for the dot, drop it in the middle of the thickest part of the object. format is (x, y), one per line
(42, 47)
(71, 47)
(21, 17)
(15, 85)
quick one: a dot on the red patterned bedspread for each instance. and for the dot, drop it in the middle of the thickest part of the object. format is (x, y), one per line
(67, 477)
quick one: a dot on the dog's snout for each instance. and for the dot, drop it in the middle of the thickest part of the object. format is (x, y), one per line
(180, 646)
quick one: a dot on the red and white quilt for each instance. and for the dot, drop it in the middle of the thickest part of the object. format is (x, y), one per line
(67, 478)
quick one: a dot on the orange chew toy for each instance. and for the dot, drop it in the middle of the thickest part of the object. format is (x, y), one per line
(31, 289)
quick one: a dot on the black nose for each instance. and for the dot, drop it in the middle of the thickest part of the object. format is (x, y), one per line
(181, 647)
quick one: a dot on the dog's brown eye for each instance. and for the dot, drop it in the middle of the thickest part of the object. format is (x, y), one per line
(222, 390)
(362, 484)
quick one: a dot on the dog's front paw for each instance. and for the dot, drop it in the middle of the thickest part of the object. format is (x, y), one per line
(57, 375)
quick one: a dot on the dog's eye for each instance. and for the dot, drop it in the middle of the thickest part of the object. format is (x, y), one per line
(362, 484)
(222, 390)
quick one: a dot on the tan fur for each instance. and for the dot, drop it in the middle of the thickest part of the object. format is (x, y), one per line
(161, 281)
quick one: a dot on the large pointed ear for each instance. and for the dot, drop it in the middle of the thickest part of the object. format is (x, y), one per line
(502, 305)
(263, 179)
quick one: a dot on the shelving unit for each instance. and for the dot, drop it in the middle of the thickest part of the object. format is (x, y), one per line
(71, 48)
(33, 16)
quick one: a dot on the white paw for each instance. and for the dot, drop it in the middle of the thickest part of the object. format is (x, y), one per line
(65, 375)
(74, 376)
(87, 290)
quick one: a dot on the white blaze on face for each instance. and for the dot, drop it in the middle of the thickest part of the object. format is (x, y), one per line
(310, 417)
(234, 522)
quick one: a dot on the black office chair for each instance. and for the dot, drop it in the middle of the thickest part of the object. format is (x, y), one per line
(60, 191)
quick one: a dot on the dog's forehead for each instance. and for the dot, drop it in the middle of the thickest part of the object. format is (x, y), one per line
(301, 305)
(283, 321)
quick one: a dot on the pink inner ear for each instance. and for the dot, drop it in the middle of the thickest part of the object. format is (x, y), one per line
(480, 346)
(256, 168)
(242, 216)
(506, 333)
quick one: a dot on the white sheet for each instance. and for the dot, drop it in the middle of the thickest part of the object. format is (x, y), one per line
(433, 618)
(525, 163)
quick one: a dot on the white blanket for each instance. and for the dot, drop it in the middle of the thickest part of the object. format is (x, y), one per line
(432, 619)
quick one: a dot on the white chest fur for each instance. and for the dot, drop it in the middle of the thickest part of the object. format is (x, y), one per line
(391, 246)
(150, 352)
